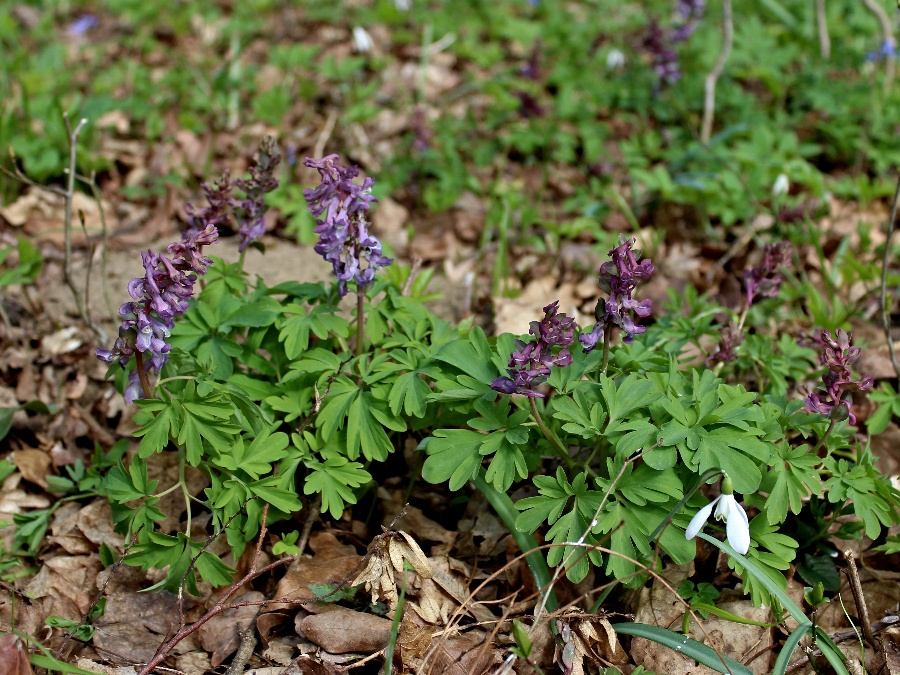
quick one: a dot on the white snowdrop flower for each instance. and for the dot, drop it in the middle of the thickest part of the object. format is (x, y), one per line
(780, 186)
(615, 59)
(362, 41)
(737, 527)
(402, 5)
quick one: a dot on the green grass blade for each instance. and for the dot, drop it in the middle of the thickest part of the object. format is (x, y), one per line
(831, 652)
(395, 631)
(56, 666)
(784, 656)
(792, 607)
(684, 645)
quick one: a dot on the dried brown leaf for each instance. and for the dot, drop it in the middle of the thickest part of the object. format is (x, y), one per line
(34, 465)
(341, 631)
(13, 659)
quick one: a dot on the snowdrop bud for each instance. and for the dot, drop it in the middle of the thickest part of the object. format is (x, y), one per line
(615, 59)
(362, 41)
(781, 186)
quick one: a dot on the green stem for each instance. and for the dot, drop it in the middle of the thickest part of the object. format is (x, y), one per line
(360, 319)
(184, 491)
(142, 374)
(548, 433)
(506, 510)
(825, 436)
(606, 334)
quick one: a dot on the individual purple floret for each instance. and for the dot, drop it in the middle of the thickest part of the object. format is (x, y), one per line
(837, 354)
(250, 212)
(764, 280)
(731, 338)
(157, 298)
(887, 50)
(339, 205)
(530, 363)
(619, 278)
(688, 14)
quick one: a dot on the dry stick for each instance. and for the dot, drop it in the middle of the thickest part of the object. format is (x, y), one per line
(166, 647)
(887, 36)
(859, 598)
(822, 23)
(325, 134)
(244, 652)
(67, 209)
(709, 97)
(885, 312)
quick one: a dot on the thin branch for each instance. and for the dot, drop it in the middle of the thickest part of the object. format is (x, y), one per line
(885, 310)
(709, 98)
(67, 209)
(859, 598)
(222, 603)
(822, 24)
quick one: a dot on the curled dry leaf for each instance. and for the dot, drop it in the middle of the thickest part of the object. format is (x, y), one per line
(13, 659)
(33, 464)
(387, 556)
(342, 631)
(590, 638)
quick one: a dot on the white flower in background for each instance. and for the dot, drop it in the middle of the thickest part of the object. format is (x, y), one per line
(362, 41)
(615, 59)
(780, 186)
(402, 5)
(737, 527)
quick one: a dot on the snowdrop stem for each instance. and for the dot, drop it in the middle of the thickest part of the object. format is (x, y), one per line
(710, 473)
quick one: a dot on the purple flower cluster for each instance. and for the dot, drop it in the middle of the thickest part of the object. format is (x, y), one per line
(157, 298)
(661, 44)
(731, 338)
(248, 212)
(764, 280)
(340, 205)
(530, 363)
(619, 278)
(837, 354)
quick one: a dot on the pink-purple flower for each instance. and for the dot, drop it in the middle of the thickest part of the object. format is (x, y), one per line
(340, 206)
(619, 278)
(764, 280)
(837, 355)
(530, 364)
(157, 298)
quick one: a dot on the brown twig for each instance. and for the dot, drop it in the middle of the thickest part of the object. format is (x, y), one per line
(311, 518)
(858, 597)
(885, 311)
(413, 273)
(244, 652)
(221, 604)
(709, 86)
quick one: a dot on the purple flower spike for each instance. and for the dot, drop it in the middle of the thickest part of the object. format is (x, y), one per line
(837, 354)
(340, 205)
(250, 212)
(764, 281)
(619, 278)
(660, 44)
(158, 297)
(530, 363)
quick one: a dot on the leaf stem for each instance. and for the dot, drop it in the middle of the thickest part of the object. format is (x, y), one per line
(606, 339)
(549, 434)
